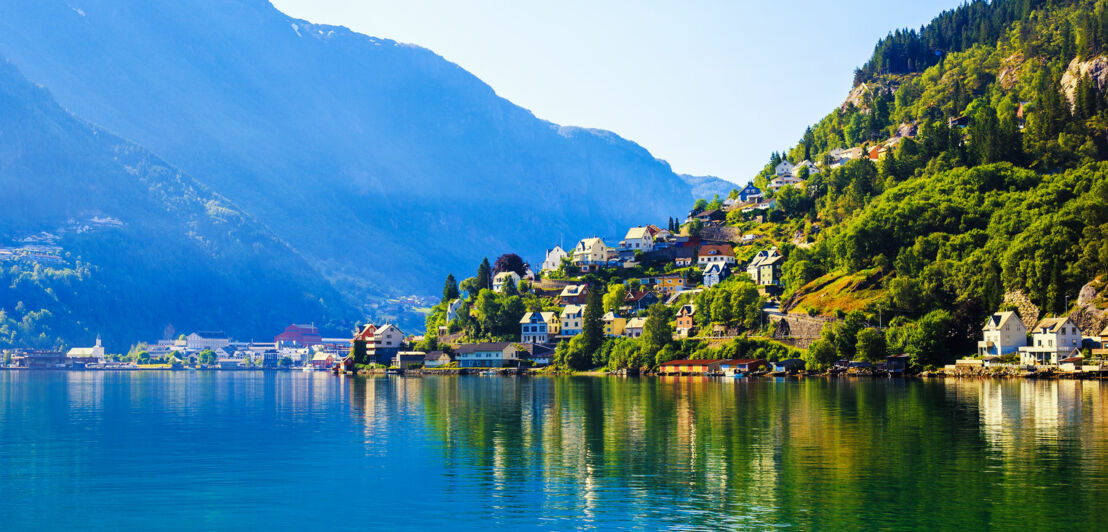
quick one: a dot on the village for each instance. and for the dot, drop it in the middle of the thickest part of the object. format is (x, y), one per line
(676, 263)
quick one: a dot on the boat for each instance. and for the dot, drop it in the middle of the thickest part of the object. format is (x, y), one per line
(307, 368)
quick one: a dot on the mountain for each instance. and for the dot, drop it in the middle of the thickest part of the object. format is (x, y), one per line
(708, 186)
(128, 245)
(987, 189)
(380, 163)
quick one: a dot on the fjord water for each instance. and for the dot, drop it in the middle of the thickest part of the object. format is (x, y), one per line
(280, 450)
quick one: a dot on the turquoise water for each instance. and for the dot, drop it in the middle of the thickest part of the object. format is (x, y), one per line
(296, 451)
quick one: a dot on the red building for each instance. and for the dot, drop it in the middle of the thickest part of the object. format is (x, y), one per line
(299, 335)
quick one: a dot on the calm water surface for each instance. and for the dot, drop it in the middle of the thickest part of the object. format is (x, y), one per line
(234, 450)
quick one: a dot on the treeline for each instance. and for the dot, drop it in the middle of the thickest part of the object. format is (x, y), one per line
(978, 22)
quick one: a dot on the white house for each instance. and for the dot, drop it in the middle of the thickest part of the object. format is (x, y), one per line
(500, 280)
(638, 239)
(490, 354)
(634, 327)
(590, 251)
(783, 168)
(539, 327)
(715, 254)
(1003, 333)
(201, 340)
(1052, 339)
(88, 354)
(779, 183)
(812, 168)
(553, 259)
(572, 318)
(452, 309)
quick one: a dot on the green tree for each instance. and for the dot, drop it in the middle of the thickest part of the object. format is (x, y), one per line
(657, 332)
(450, 291)
(592, 328)
(484, 275)
(359, 352)
(614, 298)
(871, 345)
(819, 356)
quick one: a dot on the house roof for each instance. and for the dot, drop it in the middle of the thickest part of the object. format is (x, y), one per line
(635, 297)
(544, 316)
(218, 335)
(611, 316)
(638, 233)
(742, 361)
(1104, 332)
(574, 290)
(82, 352)
(1052, 325)
(503, 275)
(587, 243)
(996, 321)
(687, 310)
(715, 267)
(488, 346)
(717, 250)
(387, 327)
(435, 355)
(571, 310)
(636, 323)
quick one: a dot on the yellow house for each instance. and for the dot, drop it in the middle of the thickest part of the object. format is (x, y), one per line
(614, 325)
(670, 284)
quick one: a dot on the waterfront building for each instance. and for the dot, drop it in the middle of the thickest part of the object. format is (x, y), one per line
(86, 355)
(299, 336)
(1052, 339)
(491, 354)
(201, 340)
(436, 359)
(1003, 333)
(689, 367)
(742, 365)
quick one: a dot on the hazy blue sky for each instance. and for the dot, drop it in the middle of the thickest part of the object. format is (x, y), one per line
(710, 86)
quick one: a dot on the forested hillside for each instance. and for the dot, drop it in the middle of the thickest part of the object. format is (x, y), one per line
(988, 130)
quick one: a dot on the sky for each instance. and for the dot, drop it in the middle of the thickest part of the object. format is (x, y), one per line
(713, 87)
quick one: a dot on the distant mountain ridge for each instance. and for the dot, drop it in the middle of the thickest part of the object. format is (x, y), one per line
(708, 186)
(382, 164)
(135, 247)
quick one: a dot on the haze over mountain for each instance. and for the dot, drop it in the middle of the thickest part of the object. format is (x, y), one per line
(380, 163)
(142, 246)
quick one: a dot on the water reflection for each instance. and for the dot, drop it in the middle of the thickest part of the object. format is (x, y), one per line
(705, 452)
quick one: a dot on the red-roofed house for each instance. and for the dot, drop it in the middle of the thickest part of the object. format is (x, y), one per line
(299, 336)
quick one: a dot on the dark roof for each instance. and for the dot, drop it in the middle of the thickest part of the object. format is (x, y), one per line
(743, 361)
(704, 362)
(211, 334)
(638, 296)
(488, 346)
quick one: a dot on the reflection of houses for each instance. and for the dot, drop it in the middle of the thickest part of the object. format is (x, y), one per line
(1052, 339)
(1003, 333)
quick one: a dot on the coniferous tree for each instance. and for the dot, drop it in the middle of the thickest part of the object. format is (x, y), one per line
(484, 275)
(450, 291)
(592, 331)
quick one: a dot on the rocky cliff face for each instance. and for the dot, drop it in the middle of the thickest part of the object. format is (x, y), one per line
(1095, 68)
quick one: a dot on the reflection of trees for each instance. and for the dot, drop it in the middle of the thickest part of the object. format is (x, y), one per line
(816, 453)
